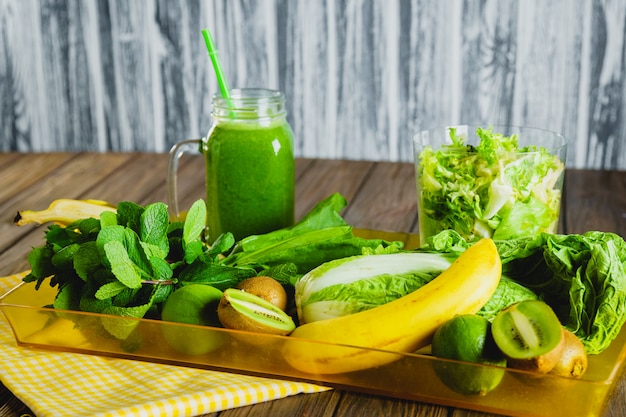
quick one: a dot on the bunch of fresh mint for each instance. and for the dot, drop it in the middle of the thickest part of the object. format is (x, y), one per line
(127, 263)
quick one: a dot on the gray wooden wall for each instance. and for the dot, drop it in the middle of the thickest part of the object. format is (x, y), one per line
(360, 77)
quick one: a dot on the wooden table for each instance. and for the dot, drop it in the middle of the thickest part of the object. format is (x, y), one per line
(381, 196)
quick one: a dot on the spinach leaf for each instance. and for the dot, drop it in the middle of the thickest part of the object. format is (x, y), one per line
(324, 215)
(310, 249)
(321, 235)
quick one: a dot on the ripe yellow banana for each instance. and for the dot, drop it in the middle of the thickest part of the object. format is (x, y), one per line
(64, 211)
(404, 325)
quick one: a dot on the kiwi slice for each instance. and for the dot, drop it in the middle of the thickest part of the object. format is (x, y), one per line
(530, 334)
(241, 310)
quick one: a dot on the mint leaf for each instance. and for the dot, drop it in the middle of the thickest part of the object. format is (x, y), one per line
(108, 218)
(88, 301)
(193, 250)
(64, 257)
(68, 297)
(110, 290)
(162, 270)
(162, 292)
(195, 222)
(129, 214)
(126, 298)
(87, 260)
(153, 250)
(87, 229)
(154, 226)
(121, 265)
(40, 260)
(222, 244)
(136, 252)
(109, 234)
(119, 327)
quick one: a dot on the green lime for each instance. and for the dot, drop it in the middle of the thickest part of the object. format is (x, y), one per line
(468, 338)
(192, 304)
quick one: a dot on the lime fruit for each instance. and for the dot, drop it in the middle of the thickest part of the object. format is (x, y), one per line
(468, 338)
(192, 304)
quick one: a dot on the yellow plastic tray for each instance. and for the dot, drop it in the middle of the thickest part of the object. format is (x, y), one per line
(409, 376)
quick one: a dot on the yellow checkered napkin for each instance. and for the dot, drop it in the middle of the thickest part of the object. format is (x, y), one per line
(70, 384)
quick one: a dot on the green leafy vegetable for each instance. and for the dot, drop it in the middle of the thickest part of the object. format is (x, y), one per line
(118, 264)
(581, 276)
(353, 284)
(507, 292)
(325, 214)
(322, 235)
(496, 189)
(124, 269)
(127, 262)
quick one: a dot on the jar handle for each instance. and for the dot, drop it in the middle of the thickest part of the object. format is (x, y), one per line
(192, 146)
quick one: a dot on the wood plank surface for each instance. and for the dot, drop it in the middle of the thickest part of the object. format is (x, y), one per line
(319, 179)
(392, 186)
(596, 201)
(380, 195)
(360, 77)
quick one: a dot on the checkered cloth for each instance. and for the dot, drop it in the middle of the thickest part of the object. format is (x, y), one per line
(69, 384)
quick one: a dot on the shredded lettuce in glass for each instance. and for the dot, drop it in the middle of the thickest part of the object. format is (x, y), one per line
(496, 189)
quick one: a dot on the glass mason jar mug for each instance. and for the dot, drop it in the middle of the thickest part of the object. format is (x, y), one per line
(249, 165)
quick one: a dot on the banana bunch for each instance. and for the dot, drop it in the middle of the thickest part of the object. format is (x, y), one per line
(404, 325)
(64, 211)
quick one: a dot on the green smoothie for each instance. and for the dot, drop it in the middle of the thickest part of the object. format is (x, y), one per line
(250, 178)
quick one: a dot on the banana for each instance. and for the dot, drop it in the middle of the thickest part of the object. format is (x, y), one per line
(64, 211)
(404, 325)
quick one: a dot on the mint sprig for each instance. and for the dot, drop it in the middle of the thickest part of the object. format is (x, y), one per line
(127, 263)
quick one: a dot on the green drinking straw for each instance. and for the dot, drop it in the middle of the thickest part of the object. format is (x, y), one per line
(221, 80)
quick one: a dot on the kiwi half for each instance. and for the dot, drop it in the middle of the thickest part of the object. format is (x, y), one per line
(241, 310)
(267, 288)
(530, 334)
